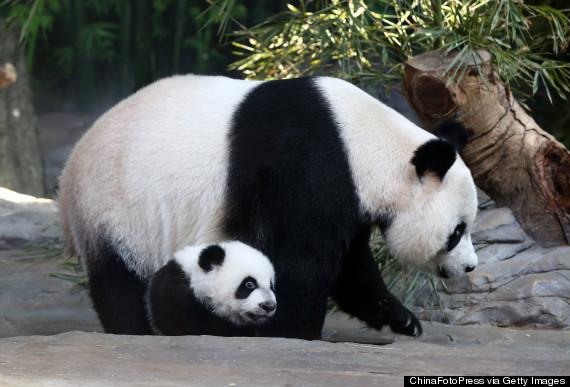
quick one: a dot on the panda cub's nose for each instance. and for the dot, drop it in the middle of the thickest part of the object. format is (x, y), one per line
(268, 306)
(469, 268)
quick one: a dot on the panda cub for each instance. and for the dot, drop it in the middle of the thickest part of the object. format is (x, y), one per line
(223, 289)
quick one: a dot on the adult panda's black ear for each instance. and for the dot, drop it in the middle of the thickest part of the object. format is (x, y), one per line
(452, 131)
(436, 156)
(210, 256)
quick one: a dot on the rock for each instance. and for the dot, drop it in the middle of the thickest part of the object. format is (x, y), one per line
(501, 251)
(28, 228)
(535, 312)
(497, 225)
(12, 202)
(340, 327)
(78, 358)
(27, 220)
(34, 302)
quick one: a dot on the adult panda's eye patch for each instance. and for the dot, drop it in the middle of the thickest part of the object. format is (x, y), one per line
(455, 236)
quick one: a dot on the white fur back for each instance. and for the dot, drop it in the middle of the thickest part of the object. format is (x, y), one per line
(380, 143)
(160, 171)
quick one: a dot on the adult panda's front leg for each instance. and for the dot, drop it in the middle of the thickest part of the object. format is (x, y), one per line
(360, 291)
(301, 302)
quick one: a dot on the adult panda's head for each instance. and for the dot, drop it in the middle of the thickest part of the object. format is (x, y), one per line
(233, 279)
(432, 231)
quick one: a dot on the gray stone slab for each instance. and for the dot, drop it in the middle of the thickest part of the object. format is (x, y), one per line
(493, 218)
(27, 220)
(33, 302)
(12, 202)
(500, 251)
(497, 225)
(94, 359)
(340, 327)
(28, 228)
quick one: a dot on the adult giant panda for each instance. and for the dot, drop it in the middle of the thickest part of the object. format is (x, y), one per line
(299, 169)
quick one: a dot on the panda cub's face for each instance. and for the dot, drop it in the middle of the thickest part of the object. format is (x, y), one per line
(235, 280)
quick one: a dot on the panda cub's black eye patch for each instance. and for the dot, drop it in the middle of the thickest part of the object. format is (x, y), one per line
(248, 285)
(455, 236)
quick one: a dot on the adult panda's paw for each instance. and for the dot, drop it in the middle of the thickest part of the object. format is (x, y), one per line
(402, 321)
(392, 313)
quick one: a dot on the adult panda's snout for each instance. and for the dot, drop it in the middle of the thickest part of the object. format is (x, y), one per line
(457, 266)
(447, 272)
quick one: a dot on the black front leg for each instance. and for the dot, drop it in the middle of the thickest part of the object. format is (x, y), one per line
(361, 292)
(301, 305)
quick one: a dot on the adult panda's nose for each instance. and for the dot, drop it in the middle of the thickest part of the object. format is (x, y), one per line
(469, 268)
(268, 306)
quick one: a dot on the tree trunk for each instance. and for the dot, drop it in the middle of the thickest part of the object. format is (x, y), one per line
(513, 160)
(20, 159)
(7, 75)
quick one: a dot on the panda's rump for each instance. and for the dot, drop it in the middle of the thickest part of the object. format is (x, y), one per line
(147, 164)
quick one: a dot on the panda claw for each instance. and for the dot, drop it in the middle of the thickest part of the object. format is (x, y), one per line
(416, 332)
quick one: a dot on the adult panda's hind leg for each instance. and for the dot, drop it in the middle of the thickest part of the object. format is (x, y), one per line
(117, 292)
(360, 291)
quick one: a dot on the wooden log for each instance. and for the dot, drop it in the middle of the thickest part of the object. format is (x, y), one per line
(511, 158)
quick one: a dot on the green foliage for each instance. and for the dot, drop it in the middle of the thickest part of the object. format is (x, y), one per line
(44, 251)
(102, 50)
(56, 249)
(73, 272)
(34, 18)
(521, 52)
(369, 41)
(340, 38)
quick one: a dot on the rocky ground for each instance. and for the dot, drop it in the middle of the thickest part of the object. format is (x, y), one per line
(51, 337)
(49, 334)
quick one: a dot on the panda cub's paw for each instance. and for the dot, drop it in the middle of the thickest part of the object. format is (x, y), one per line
(402, 321)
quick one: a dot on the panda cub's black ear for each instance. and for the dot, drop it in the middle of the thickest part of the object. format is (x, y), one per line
(210, 256)
(438, 155)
